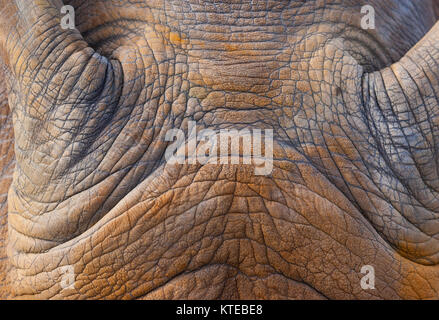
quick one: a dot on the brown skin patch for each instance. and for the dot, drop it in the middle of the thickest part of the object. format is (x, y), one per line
(7, 162)
(133, 226)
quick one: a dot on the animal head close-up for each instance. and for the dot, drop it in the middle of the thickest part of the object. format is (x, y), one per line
(232, 150)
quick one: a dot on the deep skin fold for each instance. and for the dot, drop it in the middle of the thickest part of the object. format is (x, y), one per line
(355, 142)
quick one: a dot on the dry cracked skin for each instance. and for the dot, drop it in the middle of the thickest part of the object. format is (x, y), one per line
(83, 120)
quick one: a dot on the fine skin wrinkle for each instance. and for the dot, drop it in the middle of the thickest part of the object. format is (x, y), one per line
(85, 185)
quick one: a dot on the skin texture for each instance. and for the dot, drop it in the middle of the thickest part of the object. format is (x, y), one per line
(7, 167)
(354, 115)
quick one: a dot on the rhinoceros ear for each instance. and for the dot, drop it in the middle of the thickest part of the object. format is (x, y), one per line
(405, 98)
(62, 93)
(412, 82)
(401, 104)
(406, 93)
(31, 31)
(46, 59)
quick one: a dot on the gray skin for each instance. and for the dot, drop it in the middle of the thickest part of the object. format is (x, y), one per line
(355, 120)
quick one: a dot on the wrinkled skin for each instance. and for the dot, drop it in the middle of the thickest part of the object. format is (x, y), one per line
(356, 173)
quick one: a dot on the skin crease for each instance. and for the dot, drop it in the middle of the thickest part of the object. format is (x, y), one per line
(355, 177)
